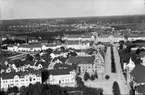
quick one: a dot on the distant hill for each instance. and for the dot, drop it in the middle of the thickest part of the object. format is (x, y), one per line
(103, 19)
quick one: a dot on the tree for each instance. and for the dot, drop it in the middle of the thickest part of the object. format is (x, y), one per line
(3, 93)
(62, 48)
(92, 77)
(116, 89)
(80, 83)
(96, 75)
(10, 90)
(23, 90)
(49, 51)
(55, 90)
(107, 77)
(45, 75)
(15, 89)
(35, 89)
(37, 56)
(86, 76)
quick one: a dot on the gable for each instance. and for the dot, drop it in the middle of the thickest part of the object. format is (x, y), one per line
(99, 59)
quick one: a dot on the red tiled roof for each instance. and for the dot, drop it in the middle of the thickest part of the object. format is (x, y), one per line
(138, 73)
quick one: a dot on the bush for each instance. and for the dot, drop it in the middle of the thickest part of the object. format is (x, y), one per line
(86, 76)
(107, 77)
(116, 89)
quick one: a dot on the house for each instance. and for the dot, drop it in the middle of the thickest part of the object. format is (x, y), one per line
(62, 76)
(140, 90)
(19, 79)
(76, 44)
(129, 67)
(78, 37)
(138, 74)
(25, 47)
(94, 63)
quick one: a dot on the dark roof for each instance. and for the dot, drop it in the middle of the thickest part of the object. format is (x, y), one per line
(20, 74)
(72, 42)
(102, 53)
(91, 50)
(59, 71)
(25, 62)
(57, 52)
(44, 64)
(81, 60)
(141, 89)
(138, 73)
(57, 66)
(62, 59)
(31, 46)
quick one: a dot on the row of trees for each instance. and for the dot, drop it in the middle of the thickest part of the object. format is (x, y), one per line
(37, 89)
(116, 89)
(87, 90)
(113, 68)
(92, 77)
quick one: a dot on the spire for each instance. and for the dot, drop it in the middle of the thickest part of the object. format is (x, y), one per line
(131, 63)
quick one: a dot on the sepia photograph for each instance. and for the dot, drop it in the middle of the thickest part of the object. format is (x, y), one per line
(72, 47)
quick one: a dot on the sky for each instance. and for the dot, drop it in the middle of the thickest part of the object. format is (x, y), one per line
(25, 9)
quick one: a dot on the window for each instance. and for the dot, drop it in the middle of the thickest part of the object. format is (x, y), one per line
(16, 80)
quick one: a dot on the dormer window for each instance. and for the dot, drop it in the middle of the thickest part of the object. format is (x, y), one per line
(16, 77)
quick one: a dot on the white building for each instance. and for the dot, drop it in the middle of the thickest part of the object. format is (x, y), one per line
(19, 79)
(129, 67)
(77, 44)
(94, 63)
(31, 48)
(63, 77)
(85, 37)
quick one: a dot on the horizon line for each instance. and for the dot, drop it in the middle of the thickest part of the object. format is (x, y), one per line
(73, 17)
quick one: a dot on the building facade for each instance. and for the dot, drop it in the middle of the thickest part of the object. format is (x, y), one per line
(91, 64)
(63, 77)
(19, 79)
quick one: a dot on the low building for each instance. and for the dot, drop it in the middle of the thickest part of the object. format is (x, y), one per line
(19, 79)
(76, 37)
(63, 76)
(129, 67)
(138, 74)
(94, 63)
(77, 44)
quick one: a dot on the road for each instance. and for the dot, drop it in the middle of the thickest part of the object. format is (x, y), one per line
(108, 61)
(124, 88)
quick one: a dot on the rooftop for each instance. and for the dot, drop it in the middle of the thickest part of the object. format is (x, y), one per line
(81, 59)
(20, 74)
(59, 71)
(138, 73)
(141, 89)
